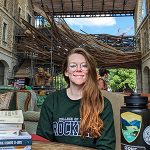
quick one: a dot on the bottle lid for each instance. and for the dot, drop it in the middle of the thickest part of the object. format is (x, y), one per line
(135, 99)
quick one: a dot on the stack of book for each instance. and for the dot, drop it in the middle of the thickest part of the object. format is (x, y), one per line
(12, 136)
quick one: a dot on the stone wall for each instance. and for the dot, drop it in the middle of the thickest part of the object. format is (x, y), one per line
(142, 28)
(10, 15)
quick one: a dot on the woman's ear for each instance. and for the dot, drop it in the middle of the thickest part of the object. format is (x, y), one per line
(66, 73)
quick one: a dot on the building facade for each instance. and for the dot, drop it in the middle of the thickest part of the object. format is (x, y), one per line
(142, 33)
(11, 12)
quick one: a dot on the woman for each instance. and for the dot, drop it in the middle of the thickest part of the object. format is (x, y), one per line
(102, 84)
(102, 81)
(78, 114)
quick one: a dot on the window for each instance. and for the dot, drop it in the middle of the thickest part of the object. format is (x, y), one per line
(143, 9)
(4, 32)
(40, 21)
(19, 14)
(138, 44)
(29, 19)
(145, 42)
(1, 73)
(5, 3)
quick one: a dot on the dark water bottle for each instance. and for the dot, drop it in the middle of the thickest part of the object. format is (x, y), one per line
(135, 123)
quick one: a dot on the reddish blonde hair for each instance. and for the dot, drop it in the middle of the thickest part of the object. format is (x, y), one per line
(92, 103)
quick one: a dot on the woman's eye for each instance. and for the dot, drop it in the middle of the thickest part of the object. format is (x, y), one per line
(84, 65)
(73, 65)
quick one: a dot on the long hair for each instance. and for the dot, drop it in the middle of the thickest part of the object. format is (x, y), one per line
(92, 103)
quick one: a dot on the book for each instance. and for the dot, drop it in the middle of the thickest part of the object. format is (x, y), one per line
(21, 140)
(15, 116)
(10, 126)
(27, 147)
(9, 133)
(22, 135)
(15, 142)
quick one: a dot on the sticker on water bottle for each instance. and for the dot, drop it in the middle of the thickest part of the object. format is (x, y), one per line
(146, 135)
(131, 147)
(130, 125)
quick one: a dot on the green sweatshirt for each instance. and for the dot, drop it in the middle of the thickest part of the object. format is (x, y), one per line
(60, 118)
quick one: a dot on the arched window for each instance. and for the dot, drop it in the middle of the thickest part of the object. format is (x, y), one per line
(1, 73)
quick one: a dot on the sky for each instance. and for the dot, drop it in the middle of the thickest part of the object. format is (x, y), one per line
(103, 25)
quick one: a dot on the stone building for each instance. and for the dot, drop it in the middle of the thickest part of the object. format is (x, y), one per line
(142, 33)
(11, 12)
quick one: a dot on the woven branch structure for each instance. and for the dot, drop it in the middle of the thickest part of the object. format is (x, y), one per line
(52, 44)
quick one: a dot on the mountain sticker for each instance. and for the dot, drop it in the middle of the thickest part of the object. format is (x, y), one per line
(130, 125)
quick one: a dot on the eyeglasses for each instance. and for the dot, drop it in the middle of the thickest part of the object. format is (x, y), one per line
(74, 66)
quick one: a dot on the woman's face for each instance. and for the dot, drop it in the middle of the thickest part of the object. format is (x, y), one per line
(77, 69)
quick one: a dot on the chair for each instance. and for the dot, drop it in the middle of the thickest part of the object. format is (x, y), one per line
(117, 100)
(22, 100)
(7, 97)
(5, 88)
(31, 117)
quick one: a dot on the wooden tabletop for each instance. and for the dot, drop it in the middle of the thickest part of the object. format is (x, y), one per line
(56, 146)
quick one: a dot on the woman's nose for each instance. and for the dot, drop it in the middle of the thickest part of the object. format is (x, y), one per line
(79, 68)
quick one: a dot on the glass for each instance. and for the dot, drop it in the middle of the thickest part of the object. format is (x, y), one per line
(74, 66)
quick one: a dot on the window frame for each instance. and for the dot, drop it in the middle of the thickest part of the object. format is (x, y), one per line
(5, 3)
(4, 32)
(29, 18)
(19, 13)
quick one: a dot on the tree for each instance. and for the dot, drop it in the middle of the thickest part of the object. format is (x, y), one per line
(59, 82)
(118, 77)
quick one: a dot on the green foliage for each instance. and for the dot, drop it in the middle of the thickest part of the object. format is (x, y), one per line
(118, 77)
(59, 82)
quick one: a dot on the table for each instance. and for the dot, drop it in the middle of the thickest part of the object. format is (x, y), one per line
(36, 145)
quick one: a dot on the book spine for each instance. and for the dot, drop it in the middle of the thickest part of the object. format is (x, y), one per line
(11, 120)
(15, 142)
(11, 116)
(18, 137)
(22, 135)
(9, 133)
(10, 126)
(28, 147)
